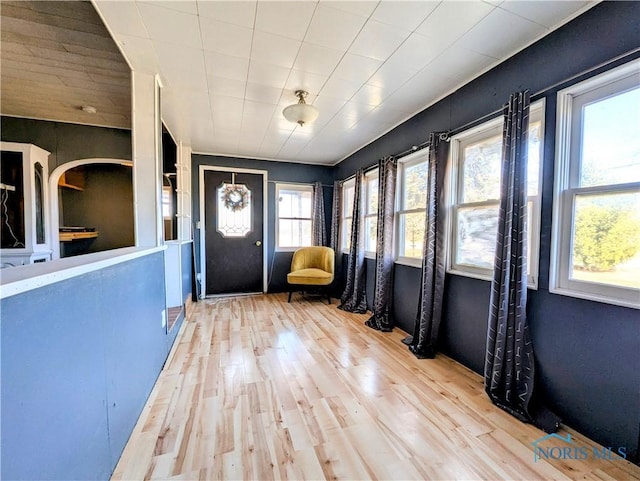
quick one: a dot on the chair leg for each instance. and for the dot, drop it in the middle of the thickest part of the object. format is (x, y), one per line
(329, 296)
(290, 292)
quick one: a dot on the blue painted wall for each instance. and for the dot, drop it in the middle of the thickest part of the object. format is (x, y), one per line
(278, 262)
(587, 353)
(79, 360)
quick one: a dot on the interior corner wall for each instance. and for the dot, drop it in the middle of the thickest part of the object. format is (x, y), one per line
(278, 263)
(587, 353)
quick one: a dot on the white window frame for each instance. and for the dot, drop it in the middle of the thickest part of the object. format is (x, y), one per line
(369, 177)
(454, 186)
(422, 156)
(566, 187)
(345, 219)
(289, 187)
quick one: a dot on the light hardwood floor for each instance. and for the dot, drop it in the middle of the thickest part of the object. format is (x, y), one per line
(256, 388)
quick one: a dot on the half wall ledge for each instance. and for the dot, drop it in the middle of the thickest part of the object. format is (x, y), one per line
(19, 279)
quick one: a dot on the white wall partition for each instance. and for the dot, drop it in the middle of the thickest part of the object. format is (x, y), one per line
(147, 171)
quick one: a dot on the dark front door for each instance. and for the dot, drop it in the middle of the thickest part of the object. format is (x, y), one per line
(233, 220)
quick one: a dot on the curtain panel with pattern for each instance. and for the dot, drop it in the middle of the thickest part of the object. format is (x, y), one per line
(382, 318)
(509, 370)
(424, 340)
(318, 227)
(354, 297)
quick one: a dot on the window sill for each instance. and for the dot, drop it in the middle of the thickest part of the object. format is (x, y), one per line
(474, 275)
(487, 277)
(595, 297)
(409, 262)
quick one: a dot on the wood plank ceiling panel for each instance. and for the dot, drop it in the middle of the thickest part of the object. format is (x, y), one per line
(55, 58)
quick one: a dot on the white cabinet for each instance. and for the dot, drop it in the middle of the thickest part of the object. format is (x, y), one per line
(24, 210)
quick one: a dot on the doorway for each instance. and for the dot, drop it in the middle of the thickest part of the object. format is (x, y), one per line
(91, 206)
(233, 230)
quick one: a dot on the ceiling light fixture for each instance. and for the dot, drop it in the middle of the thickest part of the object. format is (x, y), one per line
(301, 113)
(90, 109)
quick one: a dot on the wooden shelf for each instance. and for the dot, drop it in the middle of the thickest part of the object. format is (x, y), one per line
(74, 236)
(69, 186)
(72, 179)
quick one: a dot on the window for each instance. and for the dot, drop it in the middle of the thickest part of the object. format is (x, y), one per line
(348, 191)
(596, 224)
(413, 172)
(475, 196)
(370, 197)
(293, 227)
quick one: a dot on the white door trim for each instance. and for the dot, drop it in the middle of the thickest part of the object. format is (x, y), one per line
(202, 223)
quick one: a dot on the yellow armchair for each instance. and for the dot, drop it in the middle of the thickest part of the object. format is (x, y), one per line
(312, 267)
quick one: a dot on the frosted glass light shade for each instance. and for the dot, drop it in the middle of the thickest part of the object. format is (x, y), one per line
(301, 113)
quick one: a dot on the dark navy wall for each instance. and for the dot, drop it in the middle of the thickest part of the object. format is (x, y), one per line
(278, 262)
(587, 353)
(67, 142)
(79, 359)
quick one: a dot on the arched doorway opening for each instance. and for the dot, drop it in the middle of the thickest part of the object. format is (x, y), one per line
(91, 206)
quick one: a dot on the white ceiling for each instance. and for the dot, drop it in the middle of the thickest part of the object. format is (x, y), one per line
(230, 67)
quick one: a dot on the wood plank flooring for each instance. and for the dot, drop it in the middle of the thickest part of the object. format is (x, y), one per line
(256, 388)
(172, 316)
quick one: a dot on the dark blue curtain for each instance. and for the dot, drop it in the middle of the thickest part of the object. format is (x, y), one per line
(317, 224)
(509, 370)
(382, 318)
(354, 297)
(425, 333)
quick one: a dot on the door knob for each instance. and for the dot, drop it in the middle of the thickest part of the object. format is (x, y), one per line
(258, 243)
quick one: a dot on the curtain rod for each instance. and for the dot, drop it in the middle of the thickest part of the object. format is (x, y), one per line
(542, 92)
(404, 153)
(295, 183)
(364, 171)
(534, 97)
(414, 148)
